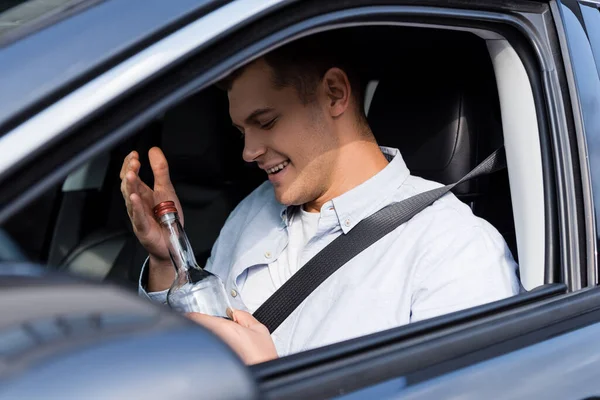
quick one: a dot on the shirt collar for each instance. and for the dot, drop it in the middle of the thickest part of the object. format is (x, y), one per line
(368, 197)
(358, 203)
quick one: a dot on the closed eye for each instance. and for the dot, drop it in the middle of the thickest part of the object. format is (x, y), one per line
(269, 124)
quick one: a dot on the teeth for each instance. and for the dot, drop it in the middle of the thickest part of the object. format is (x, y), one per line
(278, 167)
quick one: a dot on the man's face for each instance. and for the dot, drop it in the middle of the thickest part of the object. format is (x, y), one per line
(291, 141)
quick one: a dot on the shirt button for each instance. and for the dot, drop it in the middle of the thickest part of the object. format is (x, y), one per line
(233, 293)
(347, 222)
(268, 254)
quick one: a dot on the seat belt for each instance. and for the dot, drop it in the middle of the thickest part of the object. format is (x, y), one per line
(292, 293)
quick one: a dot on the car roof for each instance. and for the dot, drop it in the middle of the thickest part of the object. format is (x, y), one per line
(42, 65)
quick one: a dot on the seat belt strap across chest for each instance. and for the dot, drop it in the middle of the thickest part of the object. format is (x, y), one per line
(292, 293)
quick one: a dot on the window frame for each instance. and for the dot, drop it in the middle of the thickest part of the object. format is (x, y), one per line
(529, 312)
(580, 118)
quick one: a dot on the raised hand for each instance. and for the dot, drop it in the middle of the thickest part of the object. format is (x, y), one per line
(140, 200)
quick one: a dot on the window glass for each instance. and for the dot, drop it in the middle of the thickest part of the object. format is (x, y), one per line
(447, 261)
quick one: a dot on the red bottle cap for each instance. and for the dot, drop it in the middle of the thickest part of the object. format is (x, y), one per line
(163, 208)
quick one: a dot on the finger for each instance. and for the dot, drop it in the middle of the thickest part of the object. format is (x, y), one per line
(160, 167)
(138, 216)
(140, 186)
(133, 168)
(128, 158)
(219, 326)
(134, 165)
(197, 317)
(246, 320)
(133, 184)
(124, 166)
(126, 192)
(129, 185)
(206, 319)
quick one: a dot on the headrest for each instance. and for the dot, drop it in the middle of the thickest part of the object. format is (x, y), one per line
(198, 141)
(428, 113)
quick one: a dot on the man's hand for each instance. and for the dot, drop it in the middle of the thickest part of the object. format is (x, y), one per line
(245, 335)
(140, 200)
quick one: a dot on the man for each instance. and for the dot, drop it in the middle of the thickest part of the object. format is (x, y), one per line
(300, 112)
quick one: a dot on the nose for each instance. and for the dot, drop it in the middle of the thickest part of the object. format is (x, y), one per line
(253, 147)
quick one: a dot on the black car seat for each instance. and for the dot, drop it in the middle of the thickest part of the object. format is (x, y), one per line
(443, 115)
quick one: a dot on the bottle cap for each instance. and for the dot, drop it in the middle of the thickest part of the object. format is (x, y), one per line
(163, 208)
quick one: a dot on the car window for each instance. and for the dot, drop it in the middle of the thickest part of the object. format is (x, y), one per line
(211, 178)
(418, 112)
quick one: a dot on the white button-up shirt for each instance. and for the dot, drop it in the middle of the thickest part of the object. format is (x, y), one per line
(444, 259)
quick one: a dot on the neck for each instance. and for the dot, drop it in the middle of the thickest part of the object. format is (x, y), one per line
(357, 161)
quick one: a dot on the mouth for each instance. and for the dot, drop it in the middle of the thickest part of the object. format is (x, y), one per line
(278, 168)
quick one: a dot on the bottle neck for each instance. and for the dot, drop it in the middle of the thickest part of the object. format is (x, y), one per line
(178, 244)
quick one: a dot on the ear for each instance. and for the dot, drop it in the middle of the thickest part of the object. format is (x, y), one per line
(338, 91)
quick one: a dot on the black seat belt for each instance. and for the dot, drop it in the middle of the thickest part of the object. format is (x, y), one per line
(347, 246)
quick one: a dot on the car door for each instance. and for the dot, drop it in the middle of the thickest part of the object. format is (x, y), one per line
(555, 367)
(419, 359)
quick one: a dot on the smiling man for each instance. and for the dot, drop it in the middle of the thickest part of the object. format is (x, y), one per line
(300, 111)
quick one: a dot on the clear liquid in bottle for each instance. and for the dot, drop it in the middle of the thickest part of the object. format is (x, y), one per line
(194, 288)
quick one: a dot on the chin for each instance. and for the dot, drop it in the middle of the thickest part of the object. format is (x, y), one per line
(287, 199)
(282, 199)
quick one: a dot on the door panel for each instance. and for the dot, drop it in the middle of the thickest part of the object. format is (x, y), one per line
(565, 367)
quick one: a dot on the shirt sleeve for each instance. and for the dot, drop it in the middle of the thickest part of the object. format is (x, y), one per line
(462, 269)
(158, 297)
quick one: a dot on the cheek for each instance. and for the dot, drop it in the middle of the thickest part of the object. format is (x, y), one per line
(292, 139)
(304, 138)
(311, 136)
(313, 160)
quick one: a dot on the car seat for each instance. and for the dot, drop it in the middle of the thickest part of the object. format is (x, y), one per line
(442, 113)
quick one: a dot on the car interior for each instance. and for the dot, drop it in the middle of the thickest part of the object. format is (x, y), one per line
(431, 93)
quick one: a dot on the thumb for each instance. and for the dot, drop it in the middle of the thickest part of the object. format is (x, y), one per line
(246, 320)
(160, 167)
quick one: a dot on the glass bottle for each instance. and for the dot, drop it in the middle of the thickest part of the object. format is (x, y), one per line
(194, 289)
